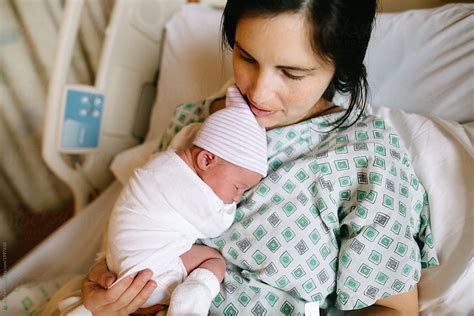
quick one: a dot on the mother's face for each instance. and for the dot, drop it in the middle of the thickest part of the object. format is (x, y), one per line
(276, 68)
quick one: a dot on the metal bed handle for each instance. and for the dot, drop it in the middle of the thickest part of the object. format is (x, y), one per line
(63, 55)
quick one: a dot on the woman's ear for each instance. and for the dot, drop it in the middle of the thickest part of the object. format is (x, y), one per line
(206, 160)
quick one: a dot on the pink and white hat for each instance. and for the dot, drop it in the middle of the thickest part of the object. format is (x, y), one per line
(234, 134)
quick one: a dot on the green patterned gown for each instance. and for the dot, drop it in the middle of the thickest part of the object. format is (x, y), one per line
(341, 219)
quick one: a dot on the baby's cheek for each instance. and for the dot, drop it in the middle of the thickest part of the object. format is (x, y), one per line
(223, 194)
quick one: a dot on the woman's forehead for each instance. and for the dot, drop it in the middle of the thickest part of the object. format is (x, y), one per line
(283, 39)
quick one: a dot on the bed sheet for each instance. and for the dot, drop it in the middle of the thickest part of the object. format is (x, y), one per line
(69, 251)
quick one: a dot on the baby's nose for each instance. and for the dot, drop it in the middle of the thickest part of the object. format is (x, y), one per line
(237, 198)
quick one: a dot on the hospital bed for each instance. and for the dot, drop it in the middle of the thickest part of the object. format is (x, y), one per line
(418, 61)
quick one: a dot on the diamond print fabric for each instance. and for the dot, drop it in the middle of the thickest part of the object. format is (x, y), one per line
(337, 220)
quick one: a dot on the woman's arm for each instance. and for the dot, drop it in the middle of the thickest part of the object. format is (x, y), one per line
(123, 298)
(401, 304)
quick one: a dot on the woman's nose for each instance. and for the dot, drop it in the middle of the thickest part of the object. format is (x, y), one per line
(262, 88)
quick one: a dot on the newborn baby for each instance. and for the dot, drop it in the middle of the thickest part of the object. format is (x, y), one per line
(178, 197)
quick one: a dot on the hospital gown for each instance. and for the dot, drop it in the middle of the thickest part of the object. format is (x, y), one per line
(340, 219)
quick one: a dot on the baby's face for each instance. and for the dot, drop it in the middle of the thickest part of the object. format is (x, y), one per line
(229, 181)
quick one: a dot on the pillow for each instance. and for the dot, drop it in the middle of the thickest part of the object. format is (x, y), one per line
(189, 72)
(422, 61)
(419, 61)
(193, 66)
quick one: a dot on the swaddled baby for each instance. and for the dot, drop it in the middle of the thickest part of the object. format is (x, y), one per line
(178, 197)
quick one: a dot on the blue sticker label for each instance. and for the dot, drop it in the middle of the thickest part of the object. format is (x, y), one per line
(82, 119)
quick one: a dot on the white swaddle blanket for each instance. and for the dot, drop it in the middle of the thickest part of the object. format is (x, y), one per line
(159, 215)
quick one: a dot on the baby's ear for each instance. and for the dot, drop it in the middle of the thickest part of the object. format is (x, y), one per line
(206, 160)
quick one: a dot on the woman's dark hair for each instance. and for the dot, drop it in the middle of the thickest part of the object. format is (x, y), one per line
(340, 29)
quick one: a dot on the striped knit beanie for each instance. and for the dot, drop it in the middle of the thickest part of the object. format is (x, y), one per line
(234, 135)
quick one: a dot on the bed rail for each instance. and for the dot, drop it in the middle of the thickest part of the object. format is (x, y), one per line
(129, 60)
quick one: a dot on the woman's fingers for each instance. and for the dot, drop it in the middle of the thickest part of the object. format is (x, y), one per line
(95, 297)
(132, 291)
(150, 310)
(87, 294)
(126, 296)
(100, 274)
(114, 294)
(141, 298)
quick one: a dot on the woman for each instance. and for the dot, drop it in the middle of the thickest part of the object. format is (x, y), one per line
(341, 218)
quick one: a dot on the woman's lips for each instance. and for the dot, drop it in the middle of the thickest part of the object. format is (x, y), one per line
(260, 112)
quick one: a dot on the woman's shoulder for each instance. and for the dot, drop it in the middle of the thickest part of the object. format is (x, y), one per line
(370, 143)
(192, 111)
(185, 114)
(378, 134)
(363, 128)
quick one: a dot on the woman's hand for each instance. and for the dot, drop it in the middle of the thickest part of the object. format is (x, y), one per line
(404, 304)
(123, 298)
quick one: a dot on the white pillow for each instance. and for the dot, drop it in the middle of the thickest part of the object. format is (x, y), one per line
(422, 61)
(193, 66)
(427, 79)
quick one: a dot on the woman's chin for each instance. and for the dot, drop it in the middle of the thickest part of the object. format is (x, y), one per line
(267, 122)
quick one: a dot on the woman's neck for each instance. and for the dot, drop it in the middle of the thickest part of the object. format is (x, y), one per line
(323, 107)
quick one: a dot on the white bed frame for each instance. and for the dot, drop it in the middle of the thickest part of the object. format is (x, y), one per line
(121, 77)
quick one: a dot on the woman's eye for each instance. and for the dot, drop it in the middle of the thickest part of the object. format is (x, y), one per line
(293, 77)
(248, 59)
